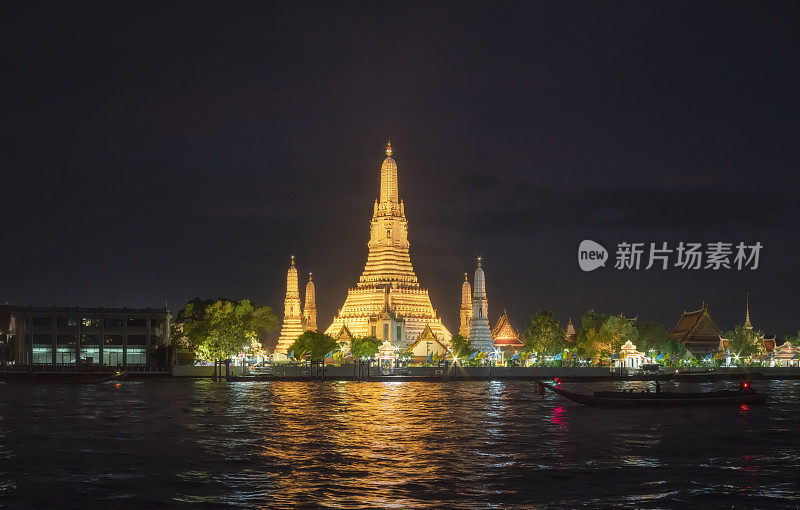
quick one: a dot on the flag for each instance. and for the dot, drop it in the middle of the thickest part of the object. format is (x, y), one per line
(515, 356)
(660, 357)
(429, 358)
(558, 356)
(329, 355)
(473, 355)
(290, 355)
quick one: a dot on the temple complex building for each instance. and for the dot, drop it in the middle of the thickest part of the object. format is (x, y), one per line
(427, 344)
(505, 337)
(310, 309)
(388, 301)
(344, 339)
(765, 346)
(466, 307)
(480, 336)
(292, 326)
(571, 335)
(698, 331)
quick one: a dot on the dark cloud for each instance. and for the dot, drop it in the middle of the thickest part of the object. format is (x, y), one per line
(190, 151)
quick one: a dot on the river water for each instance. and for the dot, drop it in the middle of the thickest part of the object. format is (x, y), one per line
(199, 444)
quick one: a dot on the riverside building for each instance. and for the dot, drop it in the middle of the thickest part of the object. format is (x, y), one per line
(103, 336)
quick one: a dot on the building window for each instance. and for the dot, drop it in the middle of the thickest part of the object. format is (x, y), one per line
(113, 323)
(43, 339)
(386, 332)
(137, 339)
(112, 355)
(157, 325)
(90, 322)
(137, 356)
(65, 354)
(43, 322)
(67, 322)
(374, 330)
(90, 354)
(399, 335)
(137, 322)
(43, 354)
(113, 340)
(65, 340)
(90, 340)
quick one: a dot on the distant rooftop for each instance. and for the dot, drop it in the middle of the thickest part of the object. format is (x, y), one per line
(78, 309)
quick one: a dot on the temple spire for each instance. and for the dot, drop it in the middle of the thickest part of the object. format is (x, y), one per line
(389, 193)
(388, 279)
(480, 335)
(310, 309)
(747, 324)
(292, 326)
(466, 307)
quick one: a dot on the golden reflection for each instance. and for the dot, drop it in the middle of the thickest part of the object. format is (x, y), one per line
(377, 434)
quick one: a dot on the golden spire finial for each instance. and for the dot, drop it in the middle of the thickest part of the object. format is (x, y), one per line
(310, 274)
(465, 277)
(479, 260)
(292, 259)
(389, 148)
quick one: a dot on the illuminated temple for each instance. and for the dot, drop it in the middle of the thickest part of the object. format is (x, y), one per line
(388, 301)
(295, 319)
(292, 326)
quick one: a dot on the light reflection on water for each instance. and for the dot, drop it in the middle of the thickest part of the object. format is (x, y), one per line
(400, 445)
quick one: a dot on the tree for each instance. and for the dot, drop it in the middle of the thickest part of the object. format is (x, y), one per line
(586, 341)
(219, 329)
(318, 344)
(592, 320)
(462, 347)
(743, 342)
(542, 334)
(608, 337)
(615, 331)
(652, 337)
(364, 347)
(794, 340)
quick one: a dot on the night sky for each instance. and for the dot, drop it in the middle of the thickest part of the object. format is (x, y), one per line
(159, 151)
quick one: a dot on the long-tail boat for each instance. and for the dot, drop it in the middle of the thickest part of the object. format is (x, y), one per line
(745, 395)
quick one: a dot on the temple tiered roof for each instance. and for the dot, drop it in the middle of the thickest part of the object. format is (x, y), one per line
(388, 278)
(697, 330)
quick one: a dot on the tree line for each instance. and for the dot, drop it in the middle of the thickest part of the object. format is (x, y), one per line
(217, 329)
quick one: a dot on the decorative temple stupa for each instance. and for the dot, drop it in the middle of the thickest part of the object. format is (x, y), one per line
(466, 307)
(388, 299)
(292, 314)
(480, 336)
(310, 309)
(571, 335)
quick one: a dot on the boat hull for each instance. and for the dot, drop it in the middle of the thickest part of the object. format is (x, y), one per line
(661, 399)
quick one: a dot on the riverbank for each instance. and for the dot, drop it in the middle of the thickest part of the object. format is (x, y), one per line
(576, 374)
(434, 374)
